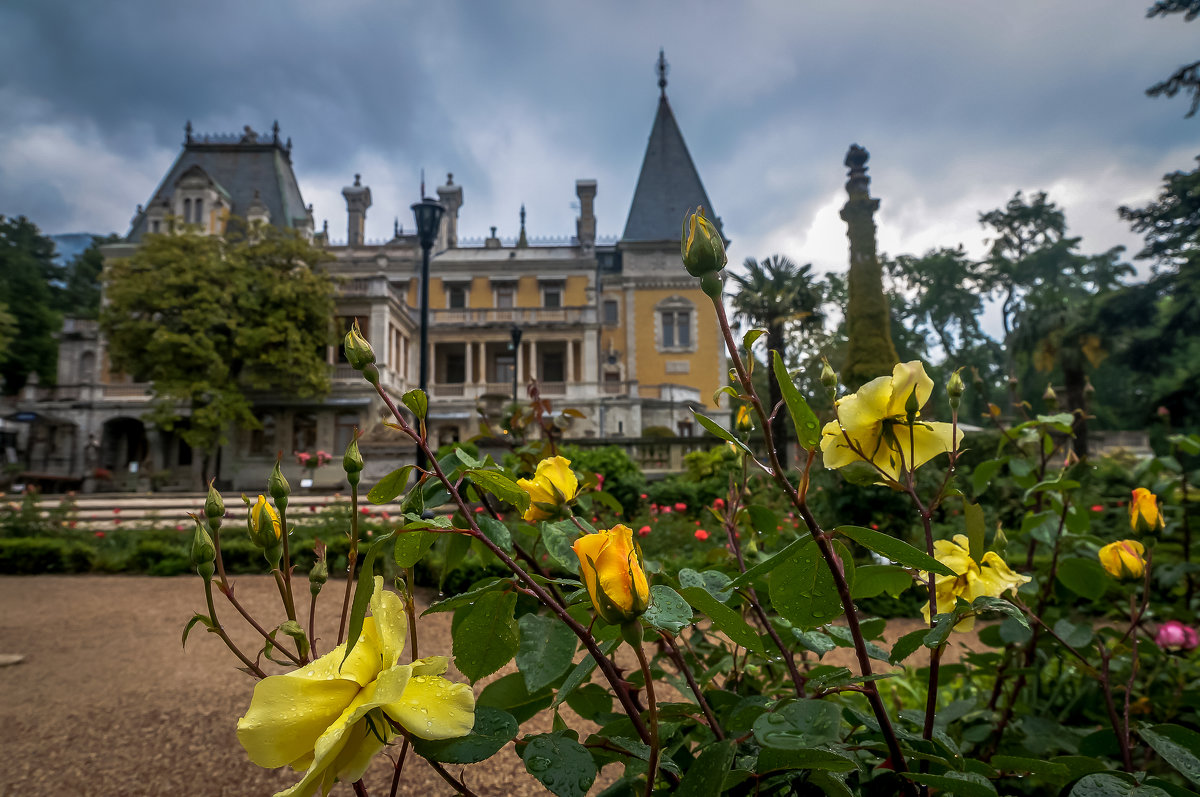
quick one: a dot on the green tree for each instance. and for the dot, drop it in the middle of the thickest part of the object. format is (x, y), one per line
(79, 294)
(209, 321)
(780, 297)
(27, 271)
(1171, 223)
(1186, 77)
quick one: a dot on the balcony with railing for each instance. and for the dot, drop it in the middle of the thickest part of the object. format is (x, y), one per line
(523, 317)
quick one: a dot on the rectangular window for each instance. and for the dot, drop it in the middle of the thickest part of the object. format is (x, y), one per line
(262, 441)
(552, 369)
(304, 432)
(676, 329)
(552, 296)
(504, 297)
(456, 369)
(503, 368)
(611, 312)
(456, 297)
(343, 430)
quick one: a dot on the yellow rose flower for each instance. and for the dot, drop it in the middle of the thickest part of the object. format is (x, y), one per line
(331, 717)
(874, 421)
(1124, 559)
(611, 565)
(263, 524)
(991, 576)
(1143, 512)
(552, 487)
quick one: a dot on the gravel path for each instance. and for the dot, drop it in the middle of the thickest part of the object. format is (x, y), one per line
(106, 702)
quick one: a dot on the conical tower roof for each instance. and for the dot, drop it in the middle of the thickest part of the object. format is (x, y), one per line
(668, 186)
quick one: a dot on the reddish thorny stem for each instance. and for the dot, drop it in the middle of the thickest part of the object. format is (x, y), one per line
(824, 545)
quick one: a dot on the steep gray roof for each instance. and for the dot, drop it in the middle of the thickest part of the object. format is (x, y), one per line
(668, 186)
(239, 165)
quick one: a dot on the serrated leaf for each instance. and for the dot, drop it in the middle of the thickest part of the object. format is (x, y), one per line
(715, 429)
(1084, 577)
(362, 594)
(724, 619)
(726, 390)
(772, 759)
(764, 567)
(802, 590)
(486, 636)
(464, 598)
(981, 477)
(751, 336)
(896, 550)
(501, 486)
(559, 537)
(961, 784)
(1178, 746)
(816, 641)
(546, 649)
(800, 724)
(390, 486)
(509, 693)
(1034, 766)
(907, 645)
(973, 516)
(808, 428)
(988, 603)
(668, 610)
(716, 582)
(495, 531)
(872, 580)
(705, 777)
(563, 765)
(196, 618)
(583, 670)
(417, 401)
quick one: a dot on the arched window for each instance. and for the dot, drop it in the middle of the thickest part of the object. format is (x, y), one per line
(198, 208)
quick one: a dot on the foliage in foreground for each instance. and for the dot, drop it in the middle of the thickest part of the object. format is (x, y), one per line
(711, 680)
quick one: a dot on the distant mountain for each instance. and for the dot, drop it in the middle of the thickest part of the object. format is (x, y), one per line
(68, 245)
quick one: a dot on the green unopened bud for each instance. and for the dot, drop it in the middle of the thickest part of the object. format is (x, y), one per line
(278, 487)
(1050, 397)
(318, 576)
(204, 553)
(371, 373)
(214, 506)
(701, 246)
(829, 377)
(358, 351)
(955, 389)
(712, 286)
(352, 461)
(912, 407)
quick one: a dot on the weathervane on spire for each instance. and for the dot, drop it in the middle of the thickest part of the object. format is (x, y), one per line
(662, 69)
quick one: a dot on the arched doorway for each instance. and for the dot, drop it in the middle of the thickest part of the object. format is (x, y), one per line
(122, 442)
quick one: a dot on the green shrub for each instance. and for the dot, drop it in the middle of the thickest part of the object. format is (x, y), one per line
(34, 556)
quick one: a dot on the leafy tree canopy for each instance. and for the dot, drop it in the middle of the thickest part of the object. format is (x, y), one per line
(78, 291)
(1170, 224)
(27, 272)
(209, 321)
(1187, 77)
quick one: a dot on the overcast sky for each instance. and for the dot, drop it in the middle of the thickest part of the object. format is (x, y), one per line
(960, 104)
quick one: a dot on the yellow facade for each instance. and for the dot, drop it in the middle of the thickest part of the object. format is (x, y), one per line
(652, 359)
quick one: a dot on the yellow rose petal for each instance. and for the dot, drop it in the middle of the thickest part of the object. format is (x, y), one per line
(434, 708)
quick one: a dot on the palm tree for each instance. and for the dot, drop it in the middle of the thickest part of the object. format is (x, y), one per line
(774, 295)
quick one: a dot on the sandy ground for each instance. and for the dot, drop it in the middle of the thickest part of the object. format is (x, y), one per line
(107, 702)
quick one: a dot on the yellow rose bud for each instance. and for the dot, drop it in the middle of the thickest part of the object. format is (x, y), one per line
(701, 245)
(611, 565)
(552, 487)
(358, 351)
(829, 377)
(1123, 559)
(1143, 512)
(263, 524)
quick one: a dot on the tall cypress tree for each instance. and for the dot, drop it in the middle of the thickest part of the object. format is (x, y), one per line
(870, 351)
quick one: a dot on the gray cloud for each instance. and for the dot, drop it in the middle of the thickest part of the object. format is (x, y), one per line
(960, 105)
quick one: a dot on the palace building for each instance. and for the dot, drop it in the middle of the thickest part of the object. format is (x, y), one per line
(615, 328)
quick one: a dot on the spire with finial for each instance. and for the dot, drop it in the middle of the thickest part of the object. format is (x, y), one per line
(662, 68)
(422, 183)
(187, 132)
(275, 132)
(396, 227)
(522, 241)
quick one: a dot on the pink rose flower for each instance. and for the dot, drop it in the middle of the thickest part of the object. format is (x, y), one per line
(1176, 637)
(701, 534)
(680, 507)
(644, 531)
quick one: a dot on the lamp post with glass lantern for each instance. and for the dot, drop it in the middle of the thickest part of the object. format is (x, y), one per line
(428, 213)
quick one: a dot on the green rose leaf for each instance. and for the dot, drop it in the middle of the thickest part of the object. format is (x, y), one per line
(546, 650)
(872, 580)
(706, 776)
(799, 724)
(960, 784)
(495, 531)
(714, 428)
(1177, 745)
(411, 546)
(499, 485)
(808, 428)
(417, 401)
(509, 694)
(724, 619)
(668, 610)
(1084, 577)
(559, 538)
(898, 551)
(802, 589)
(563, 765)
(485, 635)
(390, 486)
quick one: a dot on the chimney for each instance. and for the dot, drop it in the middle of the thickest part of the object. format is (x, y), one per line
(585, 225)
(451, 196)
(358, 199)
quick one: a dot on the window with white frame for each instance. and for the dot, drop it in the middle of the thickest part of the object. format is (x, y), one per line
(552, 295)
(675, 319)
(612, 312)
(456, 296)
(505, 296)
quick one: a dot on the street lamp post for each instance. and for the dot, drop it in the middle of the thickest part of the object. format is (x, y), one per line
(515, 332)
(428, 213)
